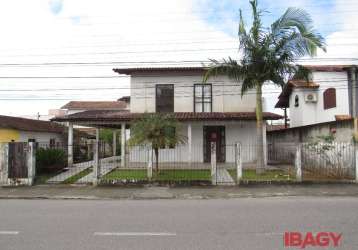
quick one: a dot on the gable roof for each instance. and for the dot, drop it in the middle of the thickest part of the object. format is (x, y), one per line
(130, 71)
(283, 98)
(95, 105)
(25, 124)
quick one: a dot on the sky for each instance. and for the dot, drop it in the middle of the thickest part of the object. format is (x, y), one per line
(55, 51)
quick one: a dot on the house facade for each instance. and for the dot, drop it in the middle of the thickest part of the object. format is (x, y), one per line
(211, 112)
(181, 90)
(16, 129)
(328, 96)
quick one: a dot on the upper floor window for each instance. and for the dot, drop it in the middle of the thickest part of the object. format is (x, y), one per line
(297, 101)
(164, 98)
(203, 100)
(329, 98)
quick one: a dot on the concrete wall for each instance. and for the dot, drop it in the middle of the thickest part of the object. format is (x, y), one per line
(311, 113)
(226, 93)
(342, 131)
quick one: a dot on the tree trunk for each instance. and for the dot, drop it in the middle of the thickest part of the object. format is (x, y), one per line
(156, 152)
(259, 131)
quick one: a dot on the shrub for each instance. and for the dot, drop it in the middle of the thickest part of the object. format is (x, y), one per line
(50, 160)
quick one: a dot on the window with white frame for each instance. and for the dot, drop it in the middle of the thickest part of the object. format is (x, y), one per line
(203, 100)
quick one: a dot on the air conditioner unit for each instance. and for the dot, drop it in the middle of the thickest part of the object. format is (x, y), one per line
(311, 97)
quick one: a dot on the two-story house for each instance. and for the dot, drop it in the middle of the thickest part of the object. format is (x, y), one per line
(330, 94)
(211, 112)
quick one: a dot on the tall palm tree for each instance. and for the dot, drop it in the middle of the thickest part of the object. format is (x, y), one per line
(158, 131)
(268, 54)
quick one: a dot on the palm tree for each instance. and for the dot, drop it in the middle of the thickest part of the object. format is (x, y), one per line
(158, 131)
(268, 54)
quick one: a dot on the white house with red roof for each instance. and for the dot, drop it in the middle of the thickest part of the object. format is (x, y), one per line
(211, 112)
(328, 96)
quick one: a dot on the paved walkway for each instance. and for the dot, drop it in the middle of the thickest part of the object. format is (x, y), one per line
(157, 192)
(223, 177)
(104, 170)
(67, 174)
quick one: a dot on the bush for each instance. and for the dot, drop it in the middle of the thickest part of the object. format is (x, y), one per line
(50, 160)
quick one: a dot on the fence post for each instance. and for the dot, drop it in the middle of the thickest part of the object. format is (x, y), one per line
(356, 160)
(96, 164)
(238, 162)
(150, 164)
(298, 163)
(31, 163)
(4, 163)
(213, 163)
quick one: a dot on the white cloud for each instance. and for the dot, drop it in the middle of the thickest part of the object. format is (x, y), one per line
(90, 30)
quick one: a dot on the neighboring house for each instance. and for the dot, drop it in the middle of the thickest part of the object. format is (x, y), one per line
(80, 106)
(18, 129)
(212, 112)
(328, 96)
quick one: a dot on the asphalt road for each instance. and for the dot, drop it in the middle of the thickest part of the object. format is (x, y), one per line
(247, 223)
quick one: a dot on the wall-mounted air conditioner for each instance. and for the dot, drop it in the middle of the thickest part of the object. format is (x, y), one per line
(311, 97)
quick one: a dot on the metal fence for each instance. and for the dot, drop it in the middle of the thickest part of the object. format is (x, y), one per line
(193, 164)
(334, 160)
(52, 162)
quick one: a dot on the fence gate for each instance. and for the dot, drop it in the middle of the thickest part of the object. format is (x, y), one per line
(17, 160)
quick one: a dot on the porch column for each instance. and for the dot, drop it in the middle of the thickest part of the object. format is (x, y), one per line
(189, 144)
(123, 145)
(70, 145)
(114, 142)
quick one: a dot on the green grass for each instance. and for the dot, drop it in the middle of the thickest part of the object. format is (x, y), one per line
(183, 175)
(126, 174)
(78, 176)
(164, 175)
(268, 175)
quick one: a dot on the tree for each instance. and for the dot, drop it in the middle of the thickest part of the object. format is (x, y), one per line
(158, 131)
(268, 54)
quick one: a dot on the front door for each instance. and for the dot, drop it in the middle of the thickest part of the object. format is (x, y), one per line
(214, 134)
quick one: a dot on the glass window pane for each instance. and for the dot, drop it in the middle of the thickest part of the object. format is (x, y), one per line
(198, 107)
(207, 107)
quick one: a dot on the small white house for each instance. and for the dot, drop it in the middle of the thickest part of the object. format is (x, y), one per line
(211, 112)
(327, 96)
(16, 129)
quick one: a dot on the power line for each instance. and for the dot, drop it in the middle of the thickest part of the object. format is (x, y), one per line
(165, 63)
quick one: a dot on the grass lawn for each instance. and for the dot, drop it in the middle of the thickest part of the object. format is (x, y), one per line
(126, 174)
(78, 176)
(183, 175)
(268, 175)
(164, 175)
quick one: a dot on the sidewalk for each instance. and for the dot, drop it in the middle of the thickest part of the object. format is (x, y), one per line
(156, 192)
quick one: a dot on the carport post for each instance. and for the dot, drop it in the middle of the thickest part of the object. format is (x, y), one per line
(298, 163)
(213, 163)
(238, 162)
(123, 145)
(96, 162)
(114, 142)
(70, 145)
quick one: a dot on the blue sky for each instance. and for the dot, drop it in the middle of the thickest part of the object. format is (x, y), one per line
(224, 14)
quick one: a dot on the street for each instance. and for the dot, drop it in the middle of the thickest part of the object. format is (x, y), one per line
(246, 223)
